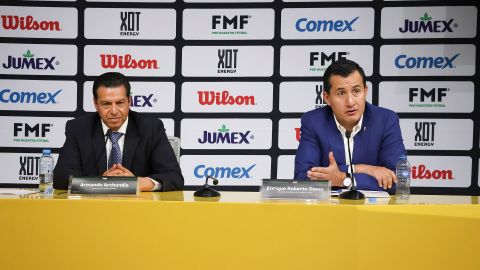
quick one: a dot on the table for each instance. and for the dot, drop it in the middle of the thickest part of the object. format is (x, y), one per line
(172, 230)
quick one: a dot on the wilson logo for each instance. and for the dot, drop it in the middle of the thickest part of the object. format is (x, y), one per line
(223, 98)
(10, 22)
(126, 62)
(297, 134)
(423, 173)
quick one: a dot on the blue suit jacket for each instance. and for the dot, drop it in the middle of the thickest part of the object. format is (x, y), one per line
(379, 143)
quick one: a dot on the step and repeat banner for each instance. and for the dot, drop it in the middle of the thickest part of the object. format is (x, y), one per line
(232, 78)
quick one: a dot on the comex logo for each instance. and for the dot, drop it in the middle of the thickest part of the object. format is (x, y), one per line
(126, 62)
(434, 95)
(28, 168)
(422, 173)
(227, 60)
(441, 62)
(9, 96)
(325, 59)
(13, 22)
(224, 136)
(425, 24)
(28, 61)
(142, 100)
(202, 171)
(223, 98)
(425, 133)
(304, 24)
(236, 23)
(25, 130)
(130, 23)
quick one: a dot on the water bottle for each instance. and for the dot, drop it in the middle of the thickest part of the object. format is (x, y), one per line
(46, 171)
(403, 178)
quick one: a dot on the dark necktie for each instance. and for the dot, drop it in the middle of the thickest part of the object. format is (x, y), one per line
(115, 153)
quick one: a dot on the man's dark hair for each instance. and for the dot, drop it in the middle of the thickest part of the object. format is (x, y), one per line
(111, 79)
(344, 68)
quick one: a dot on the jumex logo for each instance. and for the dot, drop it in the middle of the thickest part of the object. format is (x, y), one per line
(425, 133)
(418, 97)
(227, 60)
(426, 24)
(28, 61)
(224, 25)
(308, 25)
(25, 131)
(224, 136)
(422, 62)
(28, 168)
(142, 100)
(25, 97)
(201, 171)
(325, 59)
(130, 23)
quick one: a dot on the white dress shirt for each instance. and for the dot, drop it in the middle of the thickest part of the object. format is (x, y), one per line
(355, 130)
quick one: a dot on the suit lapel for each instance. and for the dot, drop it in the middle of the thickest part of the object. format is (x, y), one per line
(335, 140)
(362, 139)
(130, 144)
(98, 140)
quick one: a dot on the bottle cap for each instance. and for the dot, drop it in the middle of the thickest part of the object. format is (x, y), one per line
(46, 151)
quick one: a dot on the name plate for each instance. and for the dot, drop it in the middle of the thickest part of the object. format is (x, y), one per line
(296, 189)
(110, 185)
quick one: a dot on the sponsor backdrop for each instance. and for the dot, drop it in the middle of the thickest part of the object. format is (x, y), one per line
(232, 78)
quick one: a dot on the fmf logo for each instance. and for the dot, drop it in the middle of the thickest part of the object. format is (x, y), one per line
(28, 61)
(441, 62)
(426, 24)
(422, 173)
(25, 130)
(28, 168)
(202, 171)
(126, 62)
(434, 94)
(224, 136)
(223, 98)
(236, 22)
(9, 96)
(304, 24)
(12, 22)
(325, 59)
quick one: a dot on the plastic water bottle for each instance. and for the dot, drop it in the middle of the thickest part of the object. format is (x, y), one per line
(403, 178)
(46, 171)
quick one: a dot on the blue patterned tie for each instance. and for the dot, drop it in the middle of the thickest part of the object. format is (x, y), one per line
(115, 153)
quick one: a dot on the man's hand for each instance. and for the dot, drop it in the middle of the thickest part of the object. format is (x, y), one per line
(331, 173)
(145, 183)
(385, 177)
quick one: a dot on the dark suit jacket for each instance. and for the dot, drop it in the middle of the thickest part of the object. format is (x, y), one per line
(146, 151)
(379, 142)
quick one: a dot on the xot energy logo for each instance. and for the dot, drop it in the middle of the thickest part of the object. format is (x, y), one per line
(130, 23)
(425, 24)
(418, 97)
(28, 61)
(223, 98)
(25, 130)
(325, 59)
(227, 60)
(29, 23)
(201, 171)
(425, 133)
(25, 97)
(224, 25)
(309, 25)
(319, 102)
(127, 62)
(425, 62)
(29, 168)
(224, 136)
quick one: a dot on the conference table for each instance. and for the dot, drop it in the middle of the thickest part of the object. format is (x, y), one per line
(239, 230)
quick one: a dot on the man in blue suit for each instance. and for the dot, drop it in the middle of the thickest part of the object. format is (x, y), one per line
(375, 138)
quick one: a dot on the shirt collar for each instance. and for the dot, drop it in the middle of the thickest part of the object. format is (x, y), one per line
(122, 129)
(355, 129)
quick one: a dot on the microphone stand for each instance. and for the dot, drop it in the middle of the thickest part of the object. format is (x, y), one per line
(206, 191)
(352, 193)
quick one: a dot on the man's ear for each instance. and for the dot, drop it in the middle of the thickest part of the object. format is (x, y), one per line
(326, 97)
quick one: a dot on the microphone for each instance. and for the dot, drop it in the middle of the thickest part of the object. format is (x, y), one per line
(206, 191)
(352, 193)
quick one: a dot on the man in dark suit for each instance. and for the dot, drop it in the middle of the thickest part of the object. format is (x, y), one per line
(117, 142)
(376, 139)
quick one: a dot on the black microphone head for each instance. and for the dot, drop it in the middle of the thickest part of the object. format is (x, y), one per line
(215, 181)
(347, 134)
